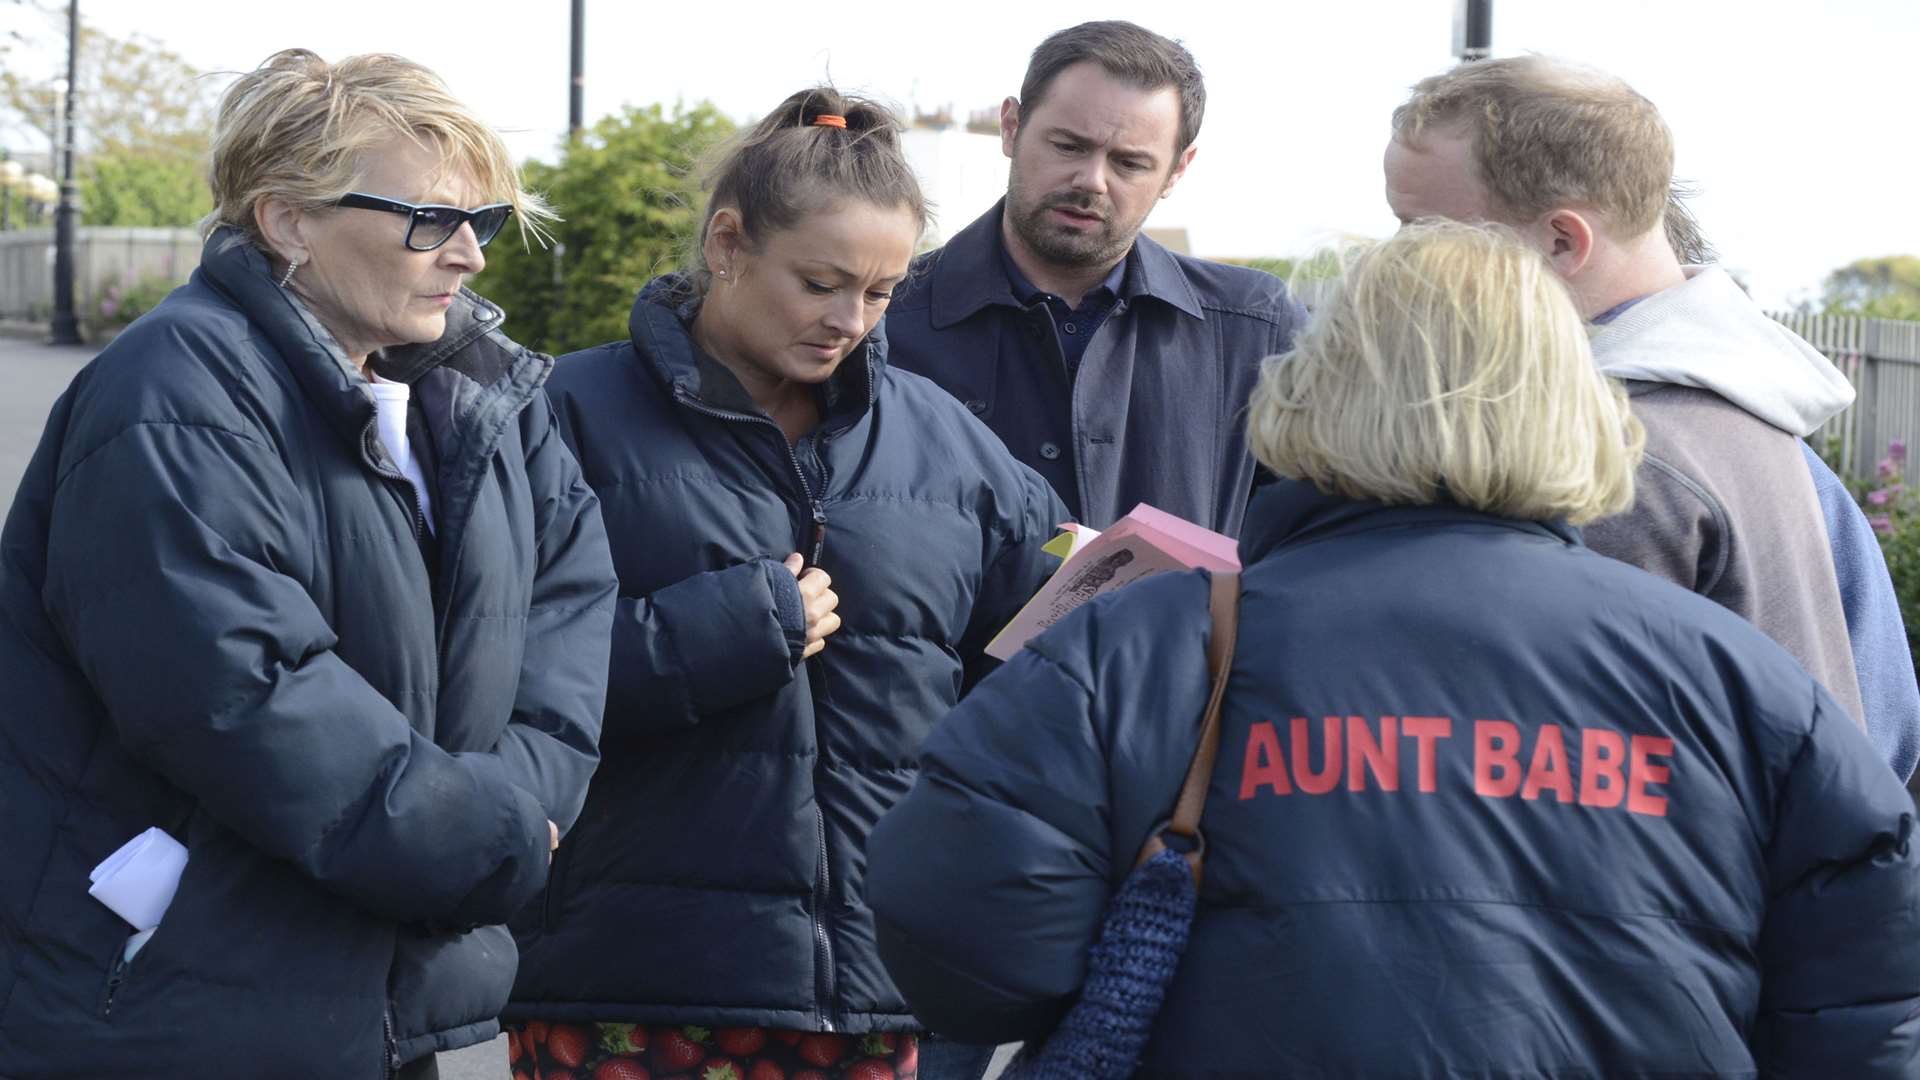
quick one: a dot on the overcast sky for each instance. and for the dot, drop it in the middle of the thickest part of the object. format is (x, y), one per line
(1792, 117)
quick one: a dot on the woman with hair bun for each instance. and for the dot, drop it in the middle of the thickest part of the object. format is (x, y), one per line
(813, 549)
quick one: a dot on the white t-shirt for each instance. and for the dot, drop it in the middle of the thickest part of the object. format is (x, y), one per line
(391, 399)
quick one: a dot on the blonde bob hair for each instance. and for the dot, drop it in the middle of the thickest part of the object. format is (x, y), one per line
(299, 128)
(1449, 364)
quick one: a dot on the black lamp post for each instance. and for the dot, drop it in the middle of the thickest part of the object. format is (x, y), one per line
(66, 325)
(576, 86)
(1473, 30)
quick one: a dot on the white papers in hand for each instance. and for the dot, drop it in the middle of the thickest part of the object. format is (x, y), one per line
(139, 880)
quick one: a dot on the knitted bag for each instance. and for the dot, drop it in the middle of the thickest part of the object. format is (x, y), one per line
(1144, 932)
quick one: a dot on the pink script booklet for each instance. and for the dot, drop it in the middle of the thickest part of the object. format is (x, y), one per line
(1147, 541)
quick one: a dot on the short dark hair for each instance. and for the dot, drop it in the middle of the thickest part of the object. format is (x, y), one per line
(1130, 53)
(788, 166)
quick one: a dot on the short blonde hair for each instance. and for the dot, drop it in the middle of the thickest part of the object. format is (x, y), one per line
(297, 127)
(1449, 363)
(1547, 134)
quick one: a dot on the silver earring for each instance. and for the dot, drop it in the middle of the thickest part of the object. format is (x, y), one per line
(722, 273)
(288, 276)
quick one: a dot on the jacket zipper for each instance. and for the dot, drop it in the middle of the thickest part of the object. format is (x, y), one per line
(391, 1067)
(419, 519)
(814, 504)
(822, 881)
(390, 1047)
(822, 889)
(116, 976)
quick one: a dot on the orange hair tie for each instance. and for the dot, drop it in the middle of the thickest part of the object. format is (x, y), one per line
(830, 120)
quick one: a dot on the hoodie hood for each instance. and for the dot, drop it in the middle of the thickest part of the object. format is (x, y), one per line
(1708, 334)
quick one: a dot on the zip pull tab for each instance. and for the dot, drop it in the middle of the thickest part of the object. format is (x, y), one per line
(819, 533)
(114, 979)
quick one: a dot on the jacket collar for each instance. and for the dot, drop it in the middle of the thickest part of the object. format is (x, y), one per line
(470, 318)
(1286, 513)
(663, 343)
(234, 266)
(967, 275)
(499, 376)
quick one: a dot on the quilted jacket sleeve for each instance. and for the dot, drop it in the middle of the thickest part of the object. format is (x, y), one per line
(552, 742)
(989, 881)
(1018, 569)
(1840, 950)
(217, 669)
(710, 642)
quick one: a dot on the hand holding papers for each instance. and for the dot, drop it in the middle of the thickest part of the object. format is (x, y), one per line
(1147, 541)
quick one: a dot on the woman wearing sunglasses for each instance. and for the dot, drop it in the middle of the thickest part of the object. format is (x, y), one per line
(301, 575)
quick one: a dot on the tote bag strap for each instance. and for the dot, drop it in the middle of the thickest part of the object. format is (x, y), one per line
(1181, 832)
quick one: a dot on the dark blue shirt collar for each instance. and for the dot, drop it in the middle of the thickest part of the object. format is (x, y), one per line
(966, 275)
(1027, 292)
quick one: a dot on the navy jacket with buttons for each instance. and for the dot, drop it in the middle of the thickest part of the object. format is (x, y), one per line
(1487, 805)
(1155, 410)
(716, 875)
(216, 618)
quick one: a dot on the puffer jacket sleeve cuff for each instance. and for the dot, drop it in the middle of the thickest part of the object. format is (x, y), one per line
(789, 607)
(525, 850)
(726, 637)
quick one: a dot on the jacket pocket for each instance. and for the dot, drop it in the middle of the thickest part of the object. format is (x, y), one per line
(118, 970)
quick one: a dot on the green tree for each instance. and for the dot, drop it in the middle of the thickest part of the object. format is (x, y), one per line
(142, 121)
(1320, 265)
(631, 206)
(1884, 288)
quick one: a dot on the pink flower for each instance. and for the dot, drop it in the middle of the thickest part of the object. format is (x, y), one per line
(1897, 450)
(1885, 495)
(109, 308)
(1887, 468)
(1882, 524)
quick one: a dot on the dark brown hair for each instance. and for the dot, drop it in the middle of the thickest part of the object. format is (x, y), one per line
(788, 167)
(1129, 53)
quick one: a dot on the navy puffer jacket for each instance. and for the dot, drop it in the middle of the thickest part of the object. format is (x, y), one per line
(716, 874)
(1487, 805)
(215, 618)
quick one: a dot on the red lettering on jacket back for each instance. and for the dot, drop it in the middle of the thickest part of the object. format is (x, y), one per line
(1264, 766)
(1496, 745)
(1426, 729)
(1324, 780)
(1380, 756)
(1548, 772)
(1593, 769)
(1641, 772)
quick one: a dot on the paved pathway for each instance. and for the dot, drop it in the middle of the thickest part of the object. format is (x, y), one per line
(32, 375)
